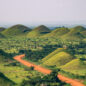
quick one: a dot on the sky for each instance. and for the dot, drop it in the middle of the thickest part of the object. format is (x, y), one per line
(34, 12)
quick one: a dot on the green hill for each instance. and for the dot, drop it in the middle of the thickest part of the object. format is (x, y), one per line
(4, 81)
(78, 29)
(57, 32)
(75, 66)
(52, 54)
(74, 34)
(38, 31)
(58, 59)
(2, 29)
(16, 30)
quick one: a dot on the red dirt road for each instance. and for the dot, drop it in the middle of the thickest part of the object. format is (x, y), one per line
(29, 64)
(70, 81)
(46, 71)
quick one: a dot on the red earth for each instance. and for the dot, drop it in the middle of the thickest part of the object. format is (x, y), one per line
(47, 71)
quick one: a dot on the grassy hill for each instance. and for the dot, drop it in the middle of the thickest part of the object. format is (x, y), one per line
(78, 29)
(2, 29)
(75, 66)
(58, 59)
(38, 31)
(52, 54)
(74, 33)
(16, 30)
(4, 81)
(57, 32)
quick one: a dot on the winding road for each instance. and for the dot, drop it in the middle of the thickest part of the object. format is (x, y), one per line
(46, 71)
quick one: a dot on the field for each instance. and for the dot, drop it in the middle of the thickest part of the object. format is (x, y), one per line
(17, 73)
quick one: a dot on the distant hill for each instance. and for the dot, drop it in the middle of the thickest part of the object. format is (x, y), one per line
(58, 59)
(74, 33)
(4, 81)
(57, 32)
(16, 30)
(75, 65)
(38, 31)
(2, 29)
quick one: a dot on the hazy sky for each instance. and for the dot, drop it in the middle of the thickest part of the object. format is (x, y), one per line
(42, 11)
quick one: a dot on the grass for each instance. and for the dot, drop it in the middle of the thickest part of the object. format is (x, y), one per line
(51, 54)
(83, 33)
(17, 73)
(16, 30)
(2, 58)
(57, 32)
(75, 66)
(4, 81)
(59, 59)
(38, 31)
(74, 33)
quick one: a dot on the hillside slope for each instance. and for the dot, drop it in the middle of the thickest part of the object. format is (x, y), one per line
(74, 34)
(38, 31)
(57, 32)
(16, 30)
(4, 81)
(83, 33)
(52, 54)
(58, 59)
(75, 64)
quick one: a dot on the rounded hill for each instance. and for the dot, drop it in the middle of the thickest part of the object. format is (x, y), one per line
(16, 30)
(58, 59)
(75, 66)
(57, 32)
(74, 33)
(38, 31)
(52, 54)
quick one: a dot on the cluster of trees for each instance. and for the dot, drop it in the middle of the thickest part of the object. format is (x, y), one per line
(47, 80)
(5, 56)
(37, 55)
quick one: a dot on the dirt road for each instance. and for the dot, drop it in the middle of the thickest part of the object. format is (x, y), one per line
(46, 71)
